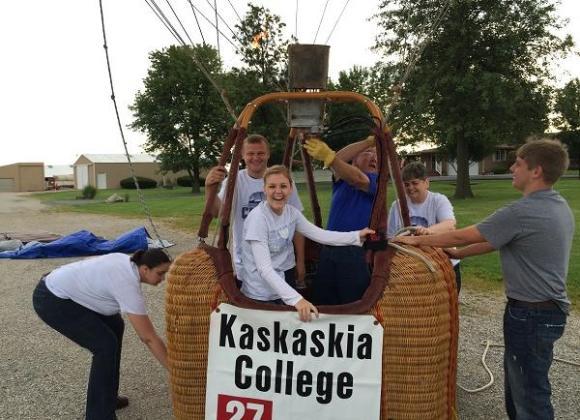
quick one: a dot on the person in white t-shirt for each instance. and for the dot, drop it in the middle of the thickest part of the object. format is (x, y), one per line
(267, 251)
(83, 301)
(430, 212)
(248, 194)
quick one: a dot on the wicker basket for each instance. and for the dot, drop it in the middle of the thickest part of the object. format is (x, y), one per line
(418, 310)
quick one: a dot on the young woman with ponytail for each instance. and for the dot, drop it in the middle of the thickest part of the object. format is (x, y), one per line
(83, 301)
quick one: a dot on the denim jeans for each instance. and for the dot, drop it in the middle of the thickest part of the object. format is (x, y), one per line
(343, 275)
(529, 336)
(457, 270)
(101, 335)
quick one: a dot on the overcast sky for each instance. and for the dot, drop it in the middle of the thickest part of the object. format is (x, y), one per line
(54, 89)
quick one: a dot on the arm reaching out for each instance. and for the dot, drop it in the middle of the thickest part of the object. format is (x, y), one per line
(144, 329)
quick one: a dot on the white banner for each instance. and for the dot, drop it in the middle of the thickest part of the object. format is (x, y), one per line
(268, 365)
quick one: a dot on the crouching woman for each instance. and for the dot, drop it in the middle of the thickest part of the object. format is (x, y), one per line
(267, 250)
(83, 301)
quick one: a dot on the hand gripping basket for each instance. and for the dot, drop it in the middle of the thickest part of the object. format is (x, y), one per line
(412, 294)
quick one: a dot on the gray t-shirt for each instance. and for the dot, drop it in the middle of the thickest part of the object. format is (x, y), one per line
(534, 239)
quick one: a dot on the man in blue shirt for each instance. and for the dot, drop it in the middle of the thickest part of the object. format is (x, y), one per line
(343, 274)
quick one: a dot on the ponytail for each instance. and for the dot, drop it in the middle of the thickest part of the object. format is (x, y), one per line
(151, 257)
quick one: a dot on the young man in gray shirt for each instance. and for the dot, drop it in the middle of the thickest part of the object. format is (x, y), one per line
(534, 239)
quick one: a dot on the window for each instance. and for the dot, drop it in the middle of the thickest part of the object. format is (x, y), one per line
(500, 155)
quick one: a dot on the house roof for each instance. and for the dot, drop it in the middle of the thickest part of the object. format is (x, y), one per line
(119, 158)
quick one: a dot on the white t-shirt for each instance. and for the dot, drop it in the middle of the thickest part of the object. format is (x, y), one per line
(267, 250)
(433, 210)
(107, 284)
(248, 194)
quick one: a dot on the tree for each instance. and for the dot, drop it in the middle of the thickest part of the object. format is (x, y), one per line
(568, 120)
(262, 45)
(263, 49)
(180, 111)
(357, 79)
(568, 106)
(483, 78)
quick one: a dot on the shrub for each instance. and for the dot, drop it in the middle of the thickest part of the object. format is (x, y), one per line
(89, 192)
(144, 183)
(185, 181)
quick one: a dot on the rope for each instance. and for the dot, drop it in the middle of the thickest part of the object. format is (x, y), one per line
(214, 25)
(139, 191)
(336, 23)
(179, 20)
(201, 67)
(217, 31)
(164, 20)
(320, 23)
(413, 254)
(235, 11)
(224, 22)
(296, 22)
(488, 344)
(415, 55)
(197, 21)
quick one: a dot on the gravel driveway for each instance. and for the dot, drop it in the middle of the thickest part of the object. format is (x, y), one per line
(43, 375)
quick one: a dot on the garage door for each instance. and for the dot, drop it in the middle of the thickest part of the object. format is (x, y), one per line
(82, 176)
(6, 184)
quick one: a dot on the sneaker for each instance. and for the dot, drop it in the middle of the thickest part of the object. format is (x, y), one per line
(122, 402)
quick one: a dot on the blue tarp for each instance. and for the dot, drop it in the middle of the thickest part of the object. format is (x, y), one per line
(82, 243)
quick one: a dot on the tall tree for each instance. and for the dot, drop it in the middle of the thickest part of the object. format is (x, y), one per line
(263, 49)
(568, 120)
(568, 106)
(180, 111)
(483, 78)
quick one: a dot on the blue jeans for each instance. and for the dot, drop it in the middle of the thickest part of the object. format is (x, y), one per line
(101, 335)
(343, 275)
(529, 336)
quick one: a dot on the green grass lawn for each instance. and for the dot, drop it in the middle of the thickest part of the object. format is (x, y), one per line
(183, 210)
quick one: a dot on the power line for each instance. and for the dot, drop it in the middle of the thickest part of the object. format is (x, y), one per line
(336, 23)
(321, 19)
(197, 21)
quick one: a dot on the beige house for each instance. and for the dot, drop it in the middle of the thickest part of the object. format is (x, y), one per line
(437, 162)
(22, 177)
(107, 171)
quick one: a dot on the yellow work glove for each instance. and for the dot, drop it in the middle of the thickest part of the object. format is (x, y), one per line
(319, 150)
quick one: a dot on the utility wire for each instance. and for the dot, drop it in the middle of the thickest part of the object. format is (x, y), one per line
(179, 20)
(337, 20)
(197, 21)
(321, 19)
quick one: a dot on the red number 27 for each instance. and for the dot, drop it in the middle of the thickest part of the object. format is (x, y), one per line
(239, 408)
